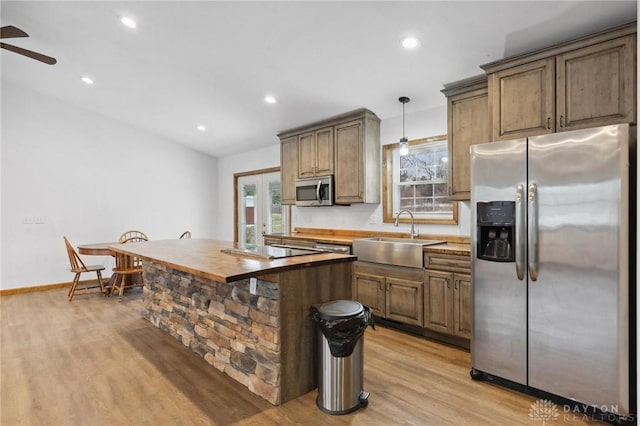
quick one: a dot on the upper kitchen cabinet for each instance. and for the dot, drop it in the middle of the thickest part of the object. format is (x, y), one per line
(596, 85)
(468, 124)
(358, 160)
(288, 169)
(583, 83)
(346, 146)
(315, 153)
(522, 100)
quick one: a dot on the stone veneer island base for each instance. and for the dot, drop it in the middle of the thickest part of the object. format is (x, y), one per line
(264, 339)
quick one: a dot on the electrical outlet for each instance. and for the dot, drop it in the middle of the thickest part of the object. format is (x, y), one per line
(253, 285)
(38, 220)
(28, 220)
(373, 220)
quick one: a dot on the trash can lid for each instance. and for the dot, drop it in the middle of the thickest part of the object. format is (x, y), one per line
(340, 309)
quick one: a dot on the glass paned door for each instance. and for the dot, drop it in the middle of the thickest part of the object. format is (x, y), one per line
(259, 208)
(248, 188)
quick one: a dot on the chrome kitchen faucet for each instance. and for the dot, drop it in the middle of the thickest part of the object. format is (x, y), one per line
(414, 233)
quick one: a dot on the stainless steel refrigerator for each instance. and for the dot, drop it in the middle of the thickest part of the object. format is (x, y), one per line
(551, 264)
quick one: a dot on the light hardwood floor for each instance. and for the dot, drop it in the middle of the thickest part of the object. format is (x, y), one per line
(95, 361)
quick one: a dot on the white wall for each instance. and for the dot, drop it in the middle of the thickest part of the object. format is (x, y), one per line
(418, 125)
(90, 178)
(264, 158)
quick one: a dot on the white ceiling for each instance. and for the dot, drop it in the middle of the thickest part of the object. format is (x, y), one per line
(212, 62)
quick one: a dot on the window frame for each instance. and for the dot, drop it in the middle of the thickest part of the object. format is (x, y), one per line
(388, 190)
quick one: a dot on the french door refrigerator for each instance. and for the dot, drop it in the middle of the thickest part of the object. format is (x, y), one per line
(551, 264)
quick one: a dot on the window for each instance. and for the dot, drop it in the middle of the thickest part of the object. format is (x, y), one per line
(418, 181)
(258, 208)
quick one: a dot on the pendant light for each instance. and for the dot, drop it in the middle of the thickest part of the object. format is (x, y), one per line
(404, 142)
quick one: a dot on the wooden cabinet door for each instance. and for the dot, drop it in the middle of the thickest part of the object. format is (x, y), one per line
(404, 301)
(468, 122)
(288, 169)
(462, 305)
(522, 100)
(369, 290)
(438, 290)
(596, 85)
(349, 173)
(324, 151)
(306, 155)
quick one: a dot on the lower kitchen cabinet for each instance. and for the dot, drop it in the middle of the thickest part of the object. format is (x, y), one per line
(404, 300)
(391, 292)
(438, 303)
(447, 295)
(370, 290)
(462, 305)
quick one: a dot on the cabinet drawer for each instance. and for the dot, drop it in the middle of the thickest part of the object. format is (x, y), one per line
(446, 262)
(299, 243)
(272, 240)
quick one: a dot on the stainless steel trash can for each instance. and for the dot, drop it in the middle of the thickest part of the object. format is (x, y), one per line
(341, 356)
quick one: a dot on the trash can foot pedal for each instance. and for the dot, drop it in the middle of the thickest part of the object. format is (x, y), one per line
(364, 398)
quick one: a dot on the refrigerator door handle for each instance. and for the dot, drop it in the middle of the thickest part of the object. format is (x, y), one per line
(520, 232)
(533, 231)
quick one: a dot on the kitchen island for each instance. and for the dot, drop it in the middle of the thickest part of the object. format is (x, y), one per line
(248, 317)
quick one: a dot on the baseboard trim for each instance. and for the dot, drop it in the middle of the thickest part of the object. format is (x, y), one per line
(47, 287)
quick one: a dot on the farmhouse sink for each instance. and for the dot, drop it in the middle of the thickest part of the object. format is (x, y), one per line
(392, 251)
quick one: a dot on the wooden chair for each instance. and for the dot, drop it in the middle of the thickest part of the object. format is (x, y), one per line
(185, 234)
(77, 266)
(133, 234)
(128, 270)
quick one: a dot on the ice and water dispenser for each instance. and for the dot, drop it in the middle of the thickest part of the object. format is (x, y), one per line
(496, 231)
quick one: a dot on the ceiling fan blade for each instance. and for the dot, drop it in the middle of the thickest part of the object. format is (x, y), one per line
(11, 32)
(33, 55)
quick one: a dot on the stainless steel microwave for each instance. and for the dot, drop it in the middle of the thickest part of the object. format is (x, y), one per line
(314, 191)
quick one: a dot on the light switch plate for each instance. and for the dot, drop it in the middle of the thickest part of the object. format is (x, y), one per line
(253, 285)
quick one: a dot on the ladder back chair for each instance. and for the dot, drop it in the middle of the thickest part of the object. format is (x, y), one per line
(133, 234)
(77, 266)
(128, 269)
(185, 235)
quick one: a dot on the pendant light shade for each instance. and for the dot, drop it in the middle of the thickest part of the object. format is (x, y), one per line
(404, 142)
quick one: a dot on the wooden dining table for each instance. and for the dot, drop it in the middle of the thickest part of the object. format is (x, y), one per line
(97, 249)
(102, 249)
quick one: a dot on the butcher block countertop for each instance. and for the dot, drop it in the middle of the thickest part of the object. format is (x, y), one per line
(203, 258)
(457, 245)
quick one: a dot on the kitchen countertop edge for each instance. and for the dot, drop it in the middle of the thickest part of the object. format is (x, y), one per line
(202, 257)
(461, 249)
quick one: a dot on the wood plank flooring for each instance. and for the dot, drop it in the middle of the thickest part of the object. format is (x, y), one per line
(95, 361)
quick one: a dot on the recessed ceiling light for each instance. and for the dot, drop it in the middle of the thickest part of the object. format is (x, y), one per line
(87, 80)
(128, 22)
(270, 99)
(410, 43)
(201, 127)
